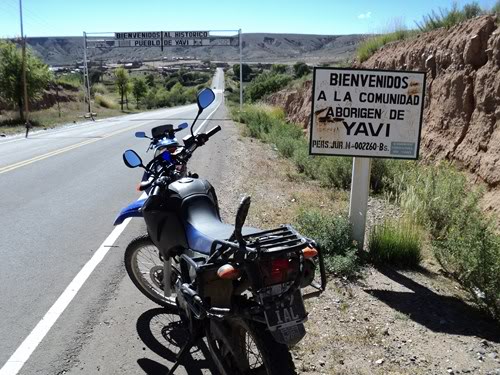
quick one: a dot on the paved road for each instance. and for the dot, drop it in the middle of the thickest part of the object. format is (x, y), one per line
(61, 191)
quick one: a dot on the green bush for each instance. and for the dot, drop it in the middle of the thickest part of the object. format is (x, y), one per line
(279, 68)
(100, 89)
(396, 243)
(265, 84)
(72, 79)
(335, 172)
(470, 252)
(301, 69)
(333, 235)
(246, 72)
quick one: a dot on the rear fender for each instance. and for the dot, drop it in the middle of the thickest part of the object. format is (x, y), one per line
(134, 209)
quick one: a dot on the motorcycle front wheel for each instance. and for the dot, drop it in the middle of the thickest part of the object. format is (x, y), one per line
(145, 269)
(249, 349)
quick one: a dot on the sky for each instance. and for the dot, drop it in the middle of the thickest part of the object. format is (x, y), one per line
(72, 17)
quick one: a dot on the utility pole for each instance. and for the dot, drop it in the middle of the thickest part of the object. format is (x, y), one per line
(241, 68)
(25, 86)
(86, 81)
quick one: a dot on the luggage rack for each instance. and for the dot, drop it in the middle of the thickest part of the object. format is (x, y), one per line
(279, 239)
(270, 242)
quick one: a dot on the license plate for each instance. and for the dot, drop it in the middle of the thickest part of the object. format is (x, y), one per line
(288, 314)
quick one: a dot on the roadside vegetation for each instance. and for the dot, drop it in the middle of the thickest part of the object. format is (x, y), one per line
(444, 17)
(440, 211)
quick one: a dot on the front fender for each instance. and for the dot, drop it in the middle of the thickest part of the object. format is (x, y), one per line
(134, 209)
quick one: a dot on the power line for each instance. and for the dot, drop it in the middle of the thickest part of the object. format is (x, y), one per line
(30, 16)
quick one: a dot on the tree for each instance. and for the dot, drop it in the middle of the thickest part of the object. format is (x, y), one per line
(122, 83)
(139, 89)
(246, 71)
(301, 69)
(38, 76)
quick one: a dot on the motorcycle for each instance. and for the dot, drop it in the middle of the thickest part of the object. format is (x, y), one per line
(238, 287)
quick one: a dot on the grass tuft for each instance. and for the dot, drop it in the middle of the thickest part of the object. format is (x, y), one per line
(371, 45)
(105, 102)
(397, 243)
(449, 17)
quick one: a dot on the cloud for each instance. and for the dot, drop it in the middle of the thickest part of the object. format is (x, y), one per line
(365, 15)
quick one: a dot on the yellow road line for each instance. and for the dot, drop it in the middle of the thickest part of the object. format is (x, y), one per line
(20, 164)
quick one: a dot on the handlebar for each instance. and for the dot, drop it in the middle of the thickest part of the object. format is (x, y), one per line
(213, 131)
(161, 178)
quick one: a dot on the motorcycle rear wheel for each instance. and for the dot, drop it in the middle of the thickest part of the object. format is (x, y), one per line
(145, 269)
(254, 345)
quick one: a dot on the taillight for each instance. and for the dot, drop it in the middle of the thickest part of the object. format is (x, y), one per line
(278, 270)
(228, 272)
(309, 252)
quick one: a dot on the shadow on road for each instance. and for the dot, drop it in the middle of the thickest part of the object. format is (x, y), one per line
(437, 312)
(164, 334)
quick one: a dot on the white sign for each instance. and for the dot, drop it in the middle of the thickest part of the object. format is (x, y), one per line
(366, 113)
(163, 39)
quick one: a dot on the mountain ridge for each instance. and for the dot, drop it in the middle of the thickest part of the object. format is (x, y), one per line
(261, 47)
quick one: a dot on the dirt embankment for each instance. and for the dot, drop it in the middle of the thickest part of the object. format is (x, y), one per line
(61, 92)
(462, 106)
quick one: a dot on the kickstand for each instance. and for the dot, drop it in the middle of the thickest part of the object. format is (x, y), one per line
(184, 350)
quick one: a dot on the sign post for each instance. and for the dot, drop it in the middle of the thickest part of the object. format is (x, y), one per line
(366, 114)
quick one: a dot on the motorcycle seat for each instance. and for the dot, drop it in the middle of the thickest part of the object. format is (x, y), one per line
(204, 226)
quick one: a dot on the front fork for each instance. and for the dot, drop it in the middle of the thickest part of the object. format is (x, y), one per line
(167, 277)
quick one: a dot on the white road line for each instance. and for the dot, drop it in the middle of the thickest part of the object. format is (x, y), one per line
(30, 343)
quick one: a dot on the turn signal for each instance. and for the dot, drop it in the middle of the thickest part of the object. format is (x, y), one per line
(309, 252)
(228, 272)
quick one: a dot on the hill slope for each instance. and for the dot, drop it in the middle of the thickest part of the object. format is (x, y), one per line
(258, 47)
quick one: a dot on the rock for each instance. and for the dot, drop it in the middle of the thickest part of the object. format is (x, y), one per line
(379, 361)
(430, 64)
(493, 355)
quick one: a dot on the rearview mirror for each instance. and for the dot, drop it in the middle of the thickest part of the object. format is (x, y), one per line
(140, 135)
(205, 98)
(131, 159)
(184, 125)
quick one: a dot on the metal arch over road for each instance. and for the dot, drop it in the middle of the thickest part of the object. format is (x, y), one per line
(159, 39)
